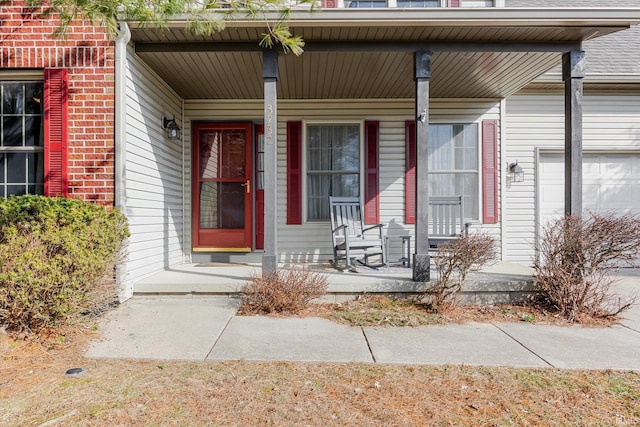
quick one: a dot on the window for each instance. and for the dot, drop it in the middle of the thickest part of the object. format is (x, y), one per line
(21, 138)
(365, 4)
(333, 166)
(418, 3)
(453, 163)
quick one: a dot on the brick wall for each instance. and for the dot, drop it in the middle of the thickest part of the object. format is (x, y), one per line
(26, 42)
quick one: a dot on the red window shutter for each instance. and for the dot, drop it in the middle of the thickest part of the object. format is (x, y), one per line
(294, 172)
(371, 186)
(55, 132)
(490, 171)
(454, 3)
(410, 172)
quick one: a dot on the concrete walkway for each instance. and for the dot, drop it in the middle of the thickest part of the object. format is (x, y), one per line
(206, 329)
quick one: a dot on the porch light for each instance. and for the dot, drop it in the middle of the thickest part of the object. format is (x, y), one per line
(517, 174)
(171, 128)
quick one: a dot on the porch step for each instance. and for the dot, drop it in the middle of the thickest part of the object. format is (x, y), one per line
(502, 284)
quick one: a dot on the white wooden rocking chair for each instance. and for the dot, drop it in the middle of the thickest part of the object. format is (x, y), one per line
(351, 238)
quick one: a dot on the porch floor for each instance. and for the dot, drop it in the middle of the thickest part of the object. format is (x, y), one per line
(500, 283)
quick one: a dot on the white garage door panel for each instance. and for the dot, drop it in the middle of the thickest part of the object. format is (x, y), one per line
(610, 183)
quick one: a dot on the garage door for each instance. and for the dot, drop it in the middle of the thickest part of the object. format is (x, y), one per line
(610, 183)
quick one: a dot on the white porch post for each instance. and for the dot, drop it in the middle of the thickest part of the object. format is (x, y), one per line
(270, 76)
(421, 261)
(573, 70)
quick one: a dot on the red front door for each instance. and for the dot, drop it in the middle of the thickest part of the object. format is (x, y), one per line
(222, 179)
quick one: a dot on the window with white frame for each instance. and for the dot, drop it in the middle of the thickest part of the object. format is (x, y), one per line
(361, 4)
(21, 138)
(454, 164)
(418, 3)
(333, 165)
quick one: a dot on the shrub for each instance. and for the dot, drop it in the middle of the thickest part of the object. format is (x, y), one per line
(55, 255)
(576, 259)
(454, 260)
(284, 291)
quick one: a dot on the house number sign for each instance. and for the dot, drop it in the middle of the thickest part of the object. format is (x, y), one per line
(269, 132)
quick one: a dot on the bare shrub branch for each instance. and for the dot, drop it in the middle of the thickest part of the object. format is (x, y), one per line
(454, 261)
(284, 291)
(577, 259)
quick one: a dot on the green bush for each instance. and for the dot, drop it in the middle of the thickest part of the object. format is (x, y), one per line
(56, 260)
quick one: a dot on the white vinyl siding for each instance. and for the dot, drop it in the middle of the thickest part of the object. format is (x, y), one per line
(536, 121)
(311, 241)
(154, 181)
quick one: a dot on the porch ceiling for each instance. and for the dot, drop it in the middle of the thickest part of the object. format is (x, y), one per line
(488, 53)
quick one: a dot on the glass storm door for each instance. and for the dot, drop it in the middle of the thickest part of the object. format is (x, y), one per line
(259, 187)
(222, 217)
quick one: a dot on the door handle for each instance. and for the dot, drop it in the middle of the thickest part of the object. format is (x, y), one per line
(247, 186)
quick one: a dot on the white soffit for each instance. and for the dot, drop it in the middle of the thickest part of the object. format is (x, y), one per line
(197, 69)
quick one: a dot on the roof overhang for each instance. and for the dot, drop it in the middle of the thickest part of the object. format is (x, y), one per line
(368, 53)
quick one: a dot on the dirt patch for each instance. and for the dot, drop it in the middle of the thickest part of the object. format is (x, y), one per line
(372, 310)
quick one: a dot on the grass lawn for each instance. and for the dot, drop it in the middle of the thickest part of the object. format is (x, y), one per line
(35, 391)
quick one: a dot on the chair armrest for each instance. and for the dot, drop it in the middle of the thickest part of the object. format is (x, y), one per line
(338, 228)
(372, 227)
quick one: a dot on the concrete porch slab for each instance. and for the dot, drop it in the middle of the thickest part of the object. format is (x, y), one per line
(504, 282)
(468, 344)
(163, 328)
(214, 279)
(261, 338)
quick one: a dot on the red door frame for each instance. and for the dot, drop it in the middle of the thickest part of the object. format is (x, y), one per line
(223, 240)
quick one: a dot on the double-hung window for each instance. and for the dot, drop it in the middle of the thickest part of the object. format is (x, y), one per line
(333, 165)
(453, 164)
(21, 138)
(362, 4)
(418, 3)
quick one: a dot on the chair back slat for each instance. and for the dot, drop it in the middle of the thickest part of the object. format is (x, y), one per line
(346, 211)
(447, 216)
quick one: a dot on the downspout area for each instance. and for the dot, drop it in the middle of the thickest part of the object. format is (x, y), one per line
(125, 289)
(186, 226)
(503, 164)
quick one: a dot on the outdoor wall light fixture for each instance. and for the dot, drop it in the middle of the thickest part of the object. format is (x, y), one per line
(517, 174)
(171, 128)
(423, 116)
